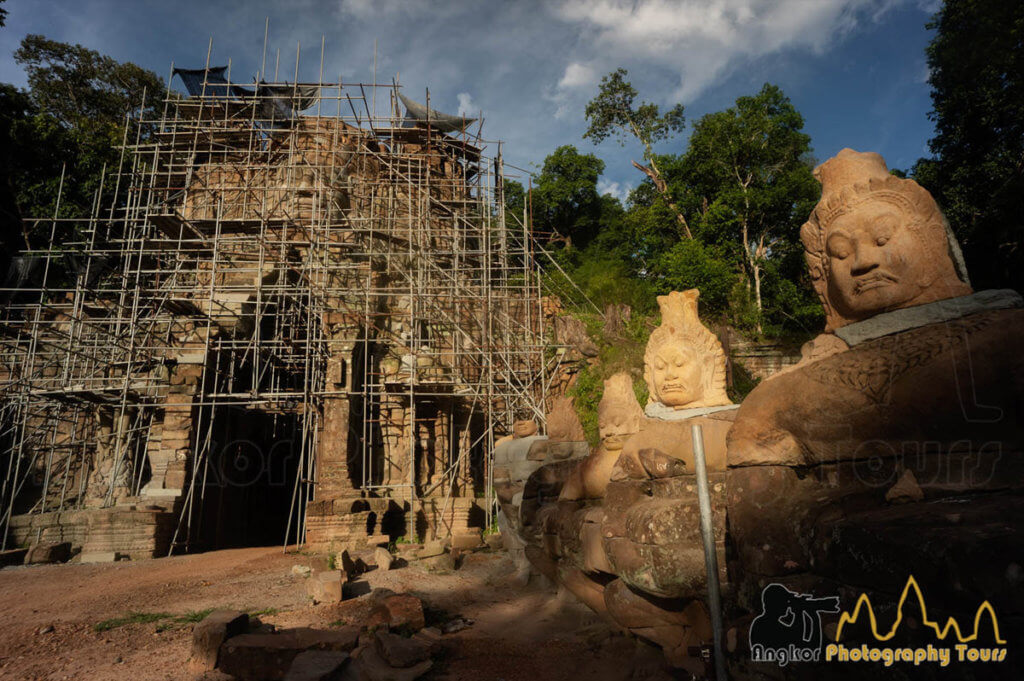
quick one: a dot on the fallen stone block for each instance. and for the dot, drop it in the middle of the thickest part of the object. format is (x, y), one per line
(396, 612)
(378, 540)
(370, 665)
(429, 637)
(383, 558)
(445, 562)
(466, 540)
(317, 665)
(48, 553)
(399, 651)
(408, 549)
(302, 570)
(432, 548)
(101, 557)
(261, 657)
(327, 586)
(209, 635)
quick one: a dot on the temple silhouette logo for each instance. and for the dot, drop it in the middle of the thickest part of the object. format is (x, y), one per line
(953, 642)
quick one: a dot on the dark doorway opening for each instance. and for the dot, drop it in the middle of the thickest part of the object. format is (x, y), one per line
(248, 487)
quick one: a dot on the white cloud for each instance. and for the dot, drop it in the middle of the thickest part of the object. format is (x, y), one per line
(467, 107)
(702, 40)
(577, 75)
(616, 189)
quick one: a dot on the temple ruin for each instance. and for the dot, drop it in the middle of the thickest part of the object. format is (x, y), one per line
(288, 319)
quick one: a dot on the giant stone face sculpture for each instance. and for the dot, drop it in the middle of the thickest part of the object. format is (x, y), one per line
(684, 365)
(876, 242)
(893, 447)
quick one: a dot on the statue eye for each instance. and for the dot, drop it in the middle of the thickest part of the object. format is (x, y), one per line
(839, 247)
(882, 240)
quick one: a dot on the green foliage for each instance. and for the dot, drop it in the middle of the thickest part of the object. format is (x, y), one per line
(977, 170)
(623, 352)
(565, 201)
(131, 618)
(612, 113)
(71, 120)
(332, 561)
(748, 176)
(742, 383)
(690, 264)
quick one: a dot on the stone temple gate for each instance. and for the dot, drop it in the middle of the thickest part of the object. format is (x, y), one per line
(288, 319)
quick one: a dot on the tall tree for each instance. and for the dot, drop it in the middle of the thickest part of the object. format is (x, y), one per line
(977, 170)
(566, 203)
(749, 168)
(70, 121)
(613, 113)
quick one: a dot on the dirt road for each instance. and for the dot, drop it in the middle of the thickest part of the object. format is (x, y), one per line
(49, 616)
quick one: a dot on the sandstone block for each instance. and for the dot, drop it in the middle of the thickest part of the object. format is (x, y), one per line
(399, 611)
(259, 657)
(48, 553)
(466, 540)
(326, 587)
(383, 558)
(399, 651)
(432, 548)
(210, 633)
(371, 666)
(317, 665)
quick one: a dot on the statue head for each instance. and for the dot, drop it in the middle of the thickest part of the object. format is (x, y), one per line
(684, 365)
(618, 413)
(876, 242)
(562, 422)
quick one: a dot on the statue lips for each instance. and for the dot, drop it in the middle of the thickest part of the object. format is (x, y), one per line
(874, 280)
(673, 388)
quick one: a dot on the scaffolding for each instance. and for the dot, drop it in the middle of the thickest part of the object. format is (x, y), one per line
(274, 268)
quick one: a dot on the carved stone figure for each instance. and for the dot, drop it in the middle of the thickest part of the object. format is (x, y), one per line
(876, 242)
(684, 365)
(618, 416)
(620, 529)
(893, 447)
(563, 423)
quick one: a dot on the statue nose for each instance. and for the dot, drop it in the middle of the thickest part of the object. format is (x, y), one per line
(865, 259)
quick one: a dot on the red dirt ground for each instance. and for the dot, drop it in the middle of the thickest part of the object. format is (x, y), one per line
(519, 633)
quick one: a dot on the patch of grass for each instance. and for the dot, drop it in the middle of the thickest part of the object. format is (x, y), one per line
(190, 617)
(167, 620)
(131, 618)
(332, 559)
(193, 616)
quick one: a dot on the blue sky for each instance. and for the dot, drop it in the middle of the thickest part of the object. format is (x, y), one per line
(855, 69)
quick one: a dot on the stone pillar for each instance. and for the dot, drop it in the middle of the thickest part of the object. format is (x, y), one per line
(332, 475)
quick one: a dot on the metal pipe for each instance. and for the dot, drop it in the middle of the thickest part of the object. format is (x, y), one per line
(710, 555)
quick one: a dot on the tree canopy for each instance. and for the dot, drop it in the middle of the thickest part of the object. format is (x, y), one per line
(69, 122)
(977, 169)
